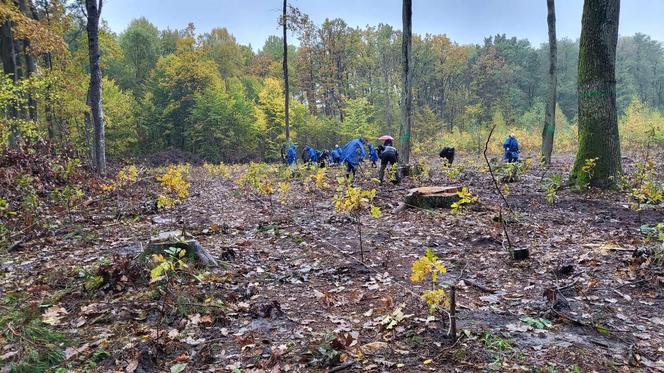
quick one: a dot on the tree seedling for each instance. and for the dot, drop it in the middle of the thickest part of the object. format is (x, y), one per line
(552, 184)
(429, 267)
(175, 186)
(353, 201)
(465, 198)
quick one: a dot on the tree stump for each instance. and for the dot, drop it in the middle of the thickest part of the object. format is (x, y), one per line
(177, 239)
(431, 197)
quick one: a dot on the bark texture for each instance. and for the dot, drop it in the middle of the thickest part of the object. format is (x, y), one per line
(598, 122)
(9, 65)
(407, 79)
(93, 12)
(285, 67)
(550, 117)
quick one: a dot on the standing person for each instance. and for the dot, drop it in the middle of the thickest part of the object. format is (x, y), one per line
(511, 146)
(388, 156)
(373, 155)
(352, 153)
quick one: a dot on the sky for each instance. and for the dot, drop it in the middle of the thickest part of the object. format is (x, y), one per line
(464, 21)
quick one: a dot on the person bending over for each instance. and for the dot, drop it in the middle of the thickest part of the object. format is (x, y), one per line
(388, 157)
(353, 152)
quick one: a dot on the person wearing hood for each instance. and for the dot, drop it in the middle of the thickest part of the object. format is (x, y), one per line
(511, 146)
(291, 156)
(309, 155)
(352, 154)
(373, 155)
(335, 155)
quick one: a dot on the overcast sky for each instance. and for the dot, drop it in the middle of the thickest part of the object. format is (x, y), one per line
(465, 21)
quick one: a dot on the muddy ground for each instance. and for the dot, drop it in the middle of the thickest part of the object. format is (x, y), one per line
(292, 295)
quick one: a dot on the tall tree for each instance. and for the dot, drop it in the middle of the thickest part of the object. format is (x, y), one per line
(9, 64)
(93, 8)
(407, 77)
(26, 8)
(284, 20)
(141, 48)
(598, 122)
(550, 116)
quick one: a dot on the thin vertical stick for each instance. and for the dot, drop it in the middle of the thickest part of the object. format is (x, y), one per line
(359, 231)
(453, 312)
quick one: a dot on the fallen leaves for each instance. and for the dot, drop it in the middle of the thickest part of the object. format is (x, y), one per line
(53, 315)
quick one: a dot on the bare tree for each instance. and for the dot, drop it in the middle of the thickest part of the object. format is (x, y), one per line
(407, 78)
(93, 12)
(550, 116)
(284, 20)
(598, 120)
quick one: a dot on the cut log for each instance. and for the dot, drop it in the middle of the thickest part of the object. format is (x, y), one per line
(193, 248)
(432, 197)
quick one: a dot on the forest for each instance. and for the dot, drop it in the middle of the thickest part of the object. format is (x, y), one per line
(163, 206)
(344, 82)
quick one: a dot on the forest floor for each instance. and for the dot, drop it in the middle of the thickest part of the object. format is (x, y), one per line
(292, 295)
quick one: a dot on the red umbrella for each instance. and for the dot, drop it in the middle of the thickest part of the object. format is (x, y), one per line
(386, 137)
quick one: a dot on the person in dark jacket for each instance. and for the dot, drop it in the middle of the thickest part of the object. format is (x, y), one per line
(511, 147)
(389, 155)
(323, 158)
(447, 153)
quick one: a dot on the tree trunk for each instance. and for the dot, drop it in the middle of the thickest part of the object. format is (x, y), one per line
(598, 123)
(550, 116)
(387, 126)
(8, 53)
(94, 11)
(407, 77)
(285, 66)
(29, 60)
(48, 62)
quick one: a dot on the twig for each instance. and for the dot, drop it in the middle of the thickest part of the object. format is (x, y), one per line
(481, 287)
(460, 274)
(341, 367)
(504, 225)
(560, 288)
(634, 282)
(453, 325)
(500, 192)
(493, 177)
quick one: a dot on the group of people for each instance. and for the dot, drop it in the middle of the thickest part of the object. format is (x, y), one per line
(353, 153)
(350, 155)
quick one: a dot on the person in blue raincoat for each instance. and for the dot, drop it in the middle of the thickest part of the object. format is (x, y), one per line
(291, 156)
(335, 155)
(313, 155)
(511, 147)
(309, 155)
(373, 155)
(352, 153)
